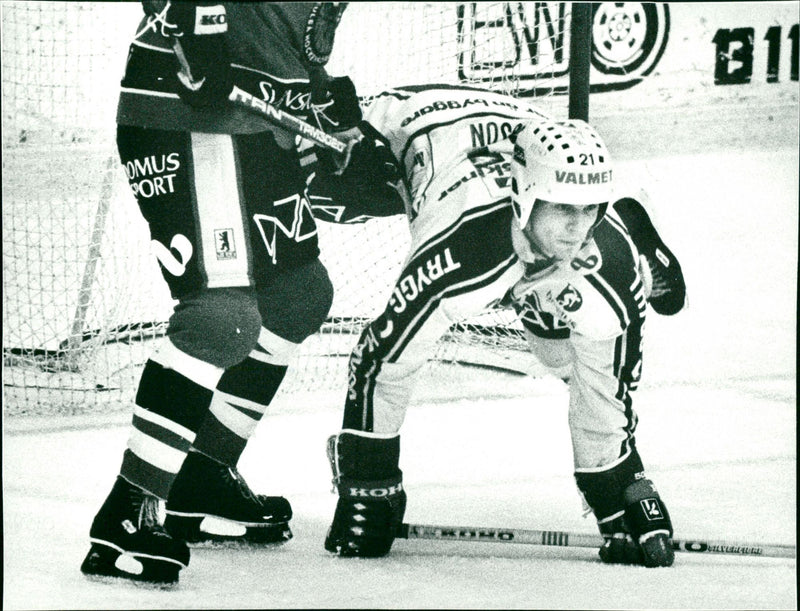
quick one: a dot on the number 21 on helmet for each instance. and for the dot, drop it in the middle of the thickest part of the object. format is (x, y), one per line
(563, 162)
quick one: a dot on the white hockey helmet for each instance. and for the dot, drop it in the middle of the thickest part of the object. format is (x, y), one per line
(564, 162)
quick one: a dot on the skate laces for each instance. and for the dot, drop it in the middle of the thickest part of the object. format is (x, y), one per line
(233, 477)
(148, 512)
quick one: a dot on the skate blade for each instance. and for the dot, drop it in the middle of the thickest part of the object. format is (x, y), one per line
(104, 561)
(213, 531)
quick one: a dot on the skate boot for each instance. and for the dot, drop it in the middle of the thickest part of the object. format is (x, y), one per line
(127, 540)
(211, 502)
(668, 294)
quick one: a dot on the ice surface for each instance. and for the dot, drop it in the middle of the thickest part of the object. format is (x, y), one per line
(724, 459)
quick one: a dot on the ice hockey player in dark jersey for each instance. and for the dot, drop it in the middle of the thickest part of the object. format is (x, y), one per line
(224, 195)
(509, 208)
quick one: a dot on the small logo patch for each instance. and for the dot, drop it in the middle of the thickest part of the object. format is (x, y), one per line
(652, 509)
(210, 20)
(570, 299)
(128, 526)
(225, 246)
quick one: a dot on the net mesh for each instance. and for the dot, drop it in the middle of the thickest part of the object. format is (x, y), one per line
(83, 298)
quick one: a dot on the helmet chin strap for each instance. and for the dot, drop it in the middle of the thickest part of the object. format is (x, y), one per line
(530, 252)
(526, 249)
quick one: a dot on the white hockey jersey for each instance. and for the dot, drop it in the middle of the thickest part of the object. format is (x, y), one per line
(453, 145)
(434, 129)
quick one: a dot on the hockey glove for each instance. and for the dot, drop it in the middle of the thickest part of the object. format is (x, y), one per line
(370, 164)
(643, 535)
(198, 30)
(371, 185)
(664, 282)
(649, 523)
(618, 544)
(372, 501)
(630, 514)
(335, 105)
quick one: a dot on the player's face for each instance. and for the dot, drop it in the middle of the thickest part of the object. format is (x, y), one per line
(559, 230)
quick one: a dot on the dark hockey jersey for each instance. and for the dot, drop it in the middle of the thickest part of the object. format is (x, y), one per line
(272, 56)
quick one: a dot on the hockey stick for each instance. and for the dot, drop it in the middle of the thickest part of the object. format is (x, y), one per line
(248, 101)
(241, 98)
(571, 539)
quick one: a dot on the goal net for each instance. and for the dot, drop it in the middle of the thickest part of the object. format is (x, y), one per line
(83, 298)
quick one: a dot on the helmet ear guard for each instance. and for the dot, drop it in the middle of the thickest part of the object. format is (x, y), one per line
(564, 162)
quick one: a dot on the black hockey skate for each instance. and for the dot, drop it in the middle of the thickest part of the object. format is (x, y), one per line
(127, 540)
(668, 295)
(211, 503)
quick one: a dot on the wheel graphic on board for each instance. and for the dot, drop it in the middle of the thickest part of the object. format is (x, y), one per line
(628, 38)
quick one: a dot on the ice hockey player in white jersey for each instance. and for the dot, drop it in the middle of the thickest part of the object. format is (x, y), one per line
(507, 207)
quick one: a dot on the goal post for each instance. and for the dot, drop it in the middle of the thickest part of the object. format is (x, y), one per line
(83, 298)
(75, 338)
(580, 59)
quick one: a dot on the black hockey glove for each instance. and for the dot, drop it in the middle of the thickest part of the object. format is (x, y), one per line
(372, 500)
(631, 516)
(643, 535)
(667, 286)
(198, 30)
(618, 544)
(370, 185)
(648, 520)
(370, 162)
(335, 105)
